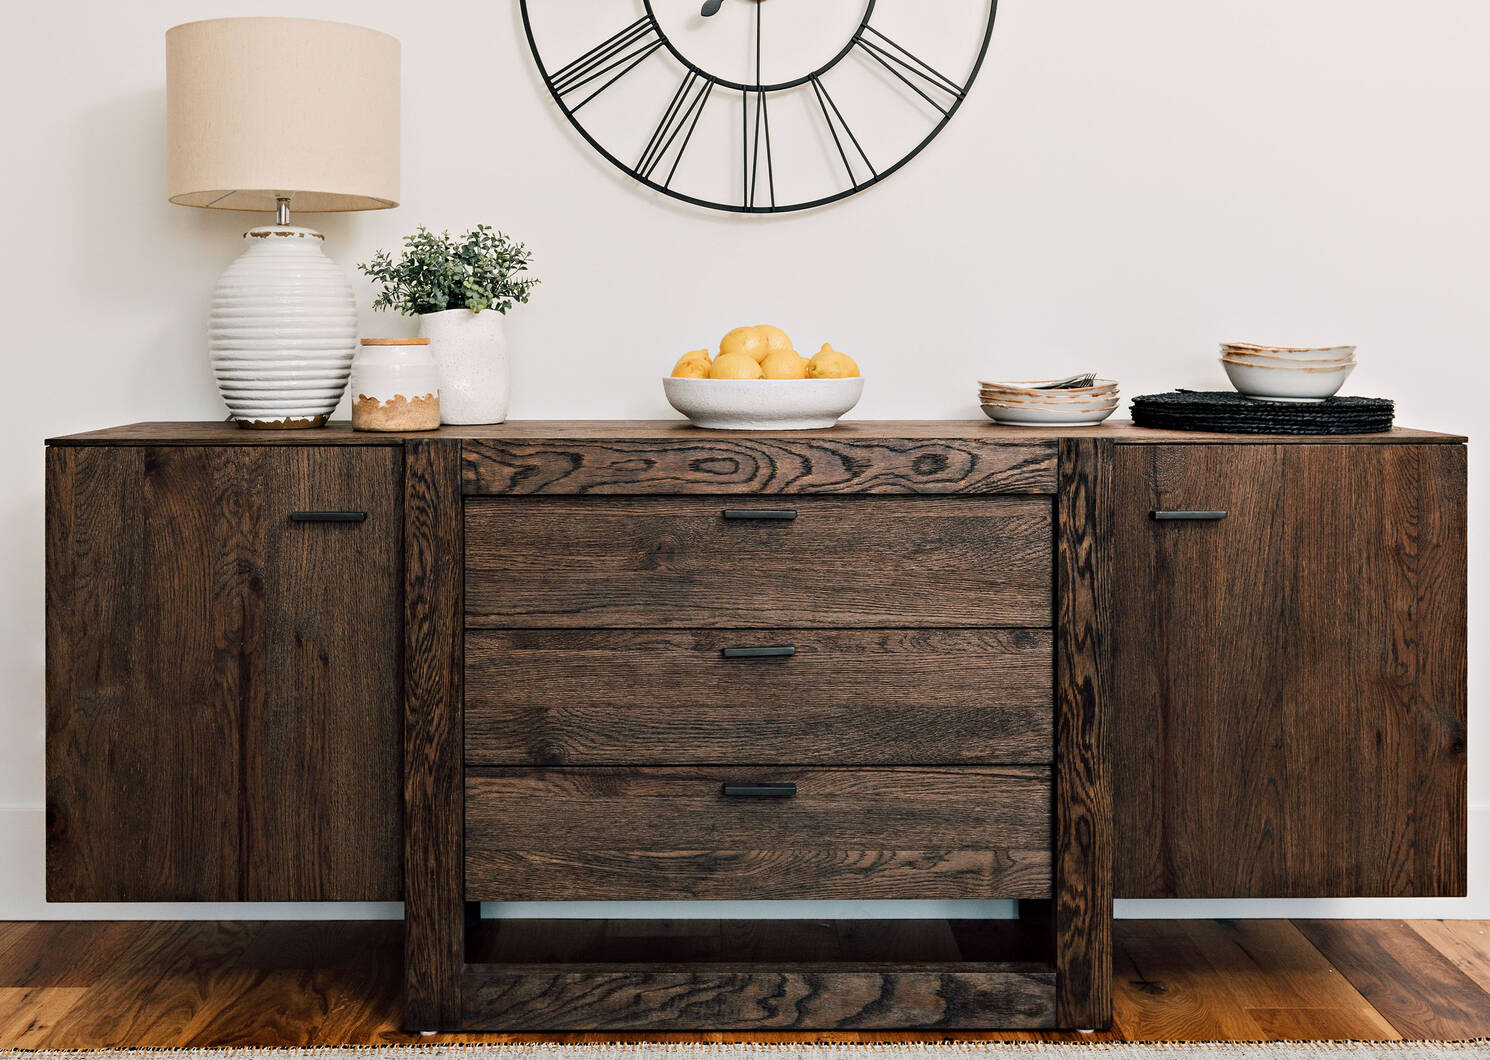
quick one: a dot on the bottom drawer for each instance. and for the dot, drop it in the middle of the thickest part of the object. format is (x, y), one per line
(674, 833)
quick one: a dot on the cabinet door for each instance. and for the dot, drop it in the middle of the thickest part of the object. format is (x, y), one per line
(1288, 682)
(223, 710)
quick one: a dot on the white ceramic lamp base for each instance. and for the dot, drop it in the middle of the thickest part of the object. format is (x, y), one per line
(283, 330)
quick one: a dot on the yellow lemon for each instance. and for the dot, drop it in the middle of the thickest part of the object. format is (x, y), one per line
(735, 366)
(776, 339)
(694, 365)
(828, 363)
(784, 364)
(751, 342)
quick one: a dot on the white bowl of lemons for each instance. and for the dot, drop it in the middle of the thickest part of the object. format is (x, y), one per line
(759, 382)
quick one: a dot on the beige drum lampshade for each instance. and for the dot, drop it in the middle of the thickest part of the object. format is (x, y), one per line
(263, 108)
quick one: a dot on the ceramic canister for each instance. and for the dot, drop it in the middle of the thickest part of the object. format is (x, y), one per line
(395, 386)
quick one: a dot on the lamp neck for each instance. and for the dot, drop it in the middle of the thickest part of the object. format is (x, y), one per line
(282, 211)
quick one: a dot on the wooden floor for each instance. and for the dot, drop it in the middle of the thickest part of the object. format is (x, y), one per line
(82, 984)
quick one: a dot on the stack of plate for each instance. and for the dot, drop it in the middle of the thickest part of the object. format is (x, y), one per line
(1287, 373)
(1030, 404)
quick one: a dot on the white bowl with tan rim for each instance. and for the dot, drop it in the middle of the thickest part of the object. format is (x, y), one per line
(1042, 387)
(1269, 361)
(1299, 383)
(1031, 416)
(1090, 404)
(1294, 354)
(1047, 399)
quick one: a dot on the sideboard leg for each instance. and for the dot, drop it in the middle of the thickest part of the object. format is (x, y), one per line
(1082, 904)
(434, 909)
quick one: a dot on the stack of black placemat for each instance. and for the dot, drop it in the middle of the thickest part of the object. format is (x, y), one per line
(1231, 413)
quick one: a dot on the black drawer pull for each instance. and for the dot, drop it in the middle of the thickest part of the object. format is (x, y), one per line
(765, 651)
(1199, 516)
(327, 517)
(760, 791)
(760, 513)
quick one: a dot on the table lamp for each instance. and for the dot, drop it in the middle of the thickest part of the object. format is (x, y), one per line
(275, 115)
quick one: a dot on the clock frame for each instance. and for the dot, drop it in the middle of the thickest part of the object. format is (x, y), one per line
(584, 78)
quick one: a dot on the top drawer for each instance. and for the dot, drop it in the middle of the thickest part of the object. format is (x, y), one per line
(674, 562)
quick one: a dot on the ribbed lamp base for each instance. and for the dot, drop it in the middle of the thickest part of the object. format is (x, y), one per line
(283, 331)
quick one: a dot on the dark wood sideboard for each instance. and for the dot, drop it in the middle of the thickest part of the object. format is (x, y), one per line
(622, 660)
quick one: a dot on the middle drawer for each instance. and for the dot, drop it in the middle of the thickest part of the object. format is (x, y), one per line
(847, 697)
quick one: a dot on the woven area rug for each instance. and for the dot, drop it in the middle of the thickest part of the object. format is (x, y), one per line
(808, 1051)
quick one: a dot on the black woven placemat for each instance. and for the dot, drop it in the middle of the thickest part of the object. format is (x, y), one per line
(1231, 413)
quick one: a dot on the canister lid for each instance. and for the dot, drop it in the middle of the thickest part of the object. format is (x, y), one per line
(396, 342)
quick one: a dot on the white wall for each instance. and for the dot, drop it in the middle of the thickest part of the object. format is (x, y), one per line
(1128, 184)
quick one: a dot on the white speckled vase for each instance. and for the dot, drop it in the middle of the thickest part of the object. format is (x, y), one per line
(283, 330)
(471, 352)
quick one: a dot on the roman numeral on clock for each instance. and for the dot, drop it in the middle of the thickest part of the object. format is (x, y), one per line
(750, 143)
(684, 111)
(612, 58)
(918, 75)
(830, 114)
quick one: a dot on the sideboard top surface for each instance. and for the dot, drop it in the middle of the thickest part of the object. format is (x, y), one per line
(984, 431)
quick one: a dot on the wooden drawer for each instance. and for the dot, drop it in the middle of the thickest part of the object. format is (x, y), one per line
(671, 562)
(613, 697)
(596, 834)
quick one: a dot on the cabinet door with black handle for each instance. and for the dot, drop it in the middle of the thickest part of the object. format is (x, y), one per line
(1288, 674)
(222, 673)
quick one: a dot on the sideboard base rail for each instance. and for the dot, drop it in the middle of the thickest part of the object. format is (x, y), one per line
(538, 976)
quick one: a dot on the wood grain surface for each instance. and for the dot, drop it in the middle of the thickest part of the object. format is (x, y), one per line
(746, 463)
(138, 984)
(340, 432)
(645, 941)
(321, 730)
(1466, 943)
(673, 562)
(434, 904)
(1417, 988)
(221, 683)
(670, 833)
(616, 697)
(1082, 902)
(1290, 696)
(1274, 974)
(550, 998)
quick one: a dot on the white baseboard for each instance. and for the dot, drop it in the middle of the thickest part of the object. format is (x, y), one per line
(22, 891)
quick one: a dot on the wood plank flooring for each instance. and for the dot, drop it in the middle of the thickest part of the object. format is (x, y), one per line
(86, 985)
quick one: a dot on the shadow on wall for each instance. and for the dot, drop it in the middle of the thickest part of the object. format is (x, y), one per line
(137, 251)
(139, 260)
(21, 712)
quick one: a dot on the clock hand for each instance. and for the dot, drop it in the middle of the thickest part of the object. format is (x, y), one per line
(757, 43)
(711, 7)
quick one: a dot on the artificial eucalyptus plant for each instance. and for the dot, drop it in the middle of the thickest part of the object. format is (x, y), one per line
(480, 270)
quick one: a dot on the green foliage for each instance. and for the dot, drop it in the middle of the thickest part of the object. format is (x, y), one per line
(480, 270)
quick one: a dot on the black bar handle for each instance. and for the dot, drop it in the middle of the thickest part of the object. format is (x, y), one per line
(764, 651)
(760, 791)
(327, 517)
(760, 513)
(1179, 513)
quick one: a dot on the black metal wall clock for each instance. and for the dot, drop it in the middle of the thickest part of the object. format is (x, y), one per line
(759, 106)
